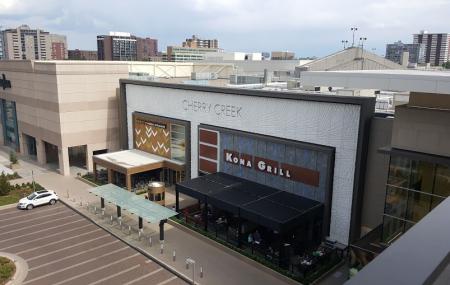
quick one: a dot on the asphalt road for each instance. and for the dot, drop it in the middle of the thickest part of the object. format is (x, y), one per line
(62, 247)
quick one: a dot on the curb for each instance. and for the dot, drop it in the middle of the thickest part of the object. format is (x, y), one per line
(234, 253)
(9, 206)
(138, 249)
(21, 268)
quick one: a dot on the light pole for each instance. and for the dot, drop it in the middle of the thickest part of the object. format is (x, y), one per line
(362, 39)
(353, 29)
(344, 42)
(190, 261)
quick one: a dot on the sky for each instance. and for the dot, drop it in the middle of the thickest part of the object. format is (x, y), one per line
(309, 28)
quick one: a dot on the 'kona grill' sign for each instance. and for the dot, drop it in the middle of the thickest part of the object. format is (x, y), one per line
(288, 171)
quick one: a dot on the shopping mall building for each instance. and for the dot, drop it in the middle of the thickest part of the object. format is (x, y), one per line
(313, 146)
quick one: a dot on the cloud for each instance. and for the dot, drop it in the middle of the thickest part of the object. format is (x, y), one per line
(307, 27)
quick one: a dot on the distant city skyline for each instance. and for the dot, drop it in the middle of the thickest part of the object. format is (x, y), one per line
(306, 28)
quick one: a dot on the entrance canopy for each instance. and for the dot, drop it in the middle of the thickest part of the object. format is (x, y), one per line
(260, 204)
(133, 161)
(139, 206)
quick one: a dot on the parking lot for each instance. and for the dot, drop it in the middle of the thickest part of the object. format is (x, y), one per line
(62, 247)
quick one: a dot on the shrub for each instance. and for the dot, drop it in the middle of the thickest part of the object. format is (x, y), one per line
(13, 157)
(5, 187)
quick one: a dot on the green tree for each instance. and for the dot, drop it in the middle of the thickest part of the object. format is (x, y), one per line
(446, 65)
(5, 187)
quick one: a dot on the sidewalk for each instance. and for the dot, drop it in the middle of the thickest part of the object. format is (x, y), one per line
(218, 266)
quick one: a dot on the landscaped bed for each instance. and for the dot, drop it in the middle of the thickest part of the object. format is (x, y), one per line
(10, 194)
(7, 269)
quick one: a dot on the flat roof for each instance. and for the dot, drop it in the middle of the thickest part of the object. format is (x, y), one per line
(392, 80)
(134, 158)
(273, 208)
(133, 203)
(285, 94)
(419, 256)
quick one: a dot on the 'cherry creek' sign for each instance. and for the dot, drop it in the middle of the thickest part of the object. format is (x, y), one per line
(288, 171)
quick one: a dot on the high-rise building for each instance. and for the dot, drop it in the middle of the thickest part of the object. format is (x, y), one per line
(117, 46)
(77, 54)
(195, 42)
(416, 52)
(125, 46)
(147, 48)
(26, 43)
(1, 46)
(437, 46)
(58, 47)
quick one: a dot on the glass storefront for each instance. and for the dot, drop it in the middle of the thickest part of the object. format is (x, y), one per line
(414, 188)
(9, 122)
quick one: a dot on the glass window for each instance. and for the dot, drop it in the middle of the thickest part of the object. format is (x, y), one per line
(178, 142)
(442, 181)
(392, 228)
(399, 171)
(418, 206)
(396, 202)
(422, 176)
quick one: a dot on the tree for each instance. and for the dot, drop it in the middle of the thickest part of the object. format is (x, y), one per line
(5, 187)
(446, 65)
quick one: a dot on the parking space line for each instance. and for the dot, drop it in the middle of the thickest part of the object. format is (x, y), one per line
(45, 237)
(167, 281)
(78, 264)
(73, 255)
(15, 211)
(115, 275)
(67, 247)
(96, 269)
(27, 221)
(143, 276)
(21, 229)
(43, 230)
(58, 241)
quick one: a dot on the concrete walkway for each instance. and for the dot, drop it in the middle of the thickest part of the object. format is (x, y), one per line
(21, 268)
(219, 267)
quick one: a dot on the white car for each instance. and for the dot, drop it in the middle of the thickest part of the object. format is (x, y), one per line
(38, 198)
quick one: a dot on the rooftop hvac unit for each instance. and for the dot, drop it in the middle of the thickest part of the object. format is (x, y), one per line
(204, 75)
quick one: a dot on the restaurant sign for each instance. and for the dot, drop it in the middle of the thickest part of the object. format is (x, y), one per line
(273, 167)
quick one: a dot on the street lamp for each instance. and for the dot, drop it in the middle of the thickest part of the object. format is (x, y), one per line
(353, 29)
(344, 42)
(362, 39)
(190, 261)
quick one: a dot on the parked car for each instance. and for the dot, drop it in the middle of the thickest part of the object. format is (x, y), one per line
(38, 198)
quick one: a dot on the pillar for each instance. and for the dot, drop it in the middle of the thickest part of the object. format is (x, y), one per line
(177, 200)
(94, 170)
(119, 211)
(110, 175)
(102, 203)
(64, 167)
(140, 223)
(40, 151)
(128, 178)
(161, 229)
(89, 162)
(205, 216)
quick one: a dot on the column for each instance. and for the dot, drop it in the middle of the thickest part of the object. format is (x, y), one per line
(102, 203)
(64, 167)
(140, 223)
(119, 212)
(177, 200)
(40, 151)
(161, 229)
(128, 178)
(94, 170)
(110, 175)
(89, 162)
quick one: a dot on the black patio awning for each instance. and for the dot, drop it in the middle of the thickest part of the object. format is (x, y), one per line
(273, 208)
